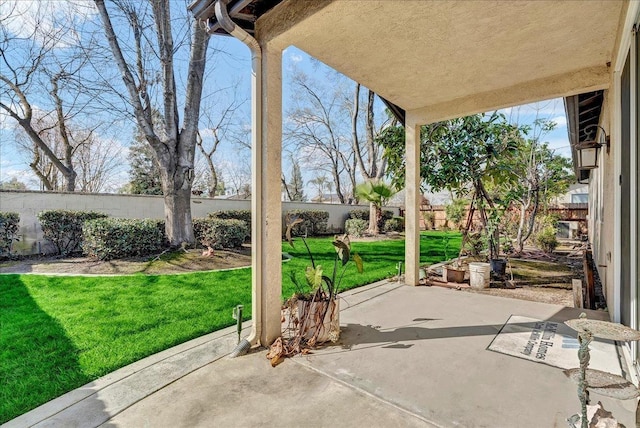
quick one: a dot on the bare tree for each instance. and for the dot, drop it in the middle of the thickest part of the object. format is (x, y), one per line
(97, 162)
(41, 165)
(318, 124)
(368, 155)
(338, 132)
(222, 128)
(47, 85)
(46, 65)
(175, 145)
(94, 160)
(237, 176)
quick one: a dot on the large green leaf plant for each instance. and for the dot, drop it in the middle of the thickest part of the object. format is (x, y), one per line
(320, 284)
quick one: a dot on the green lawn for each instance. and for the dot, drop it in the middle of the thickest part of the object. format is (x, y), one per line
(58, 333)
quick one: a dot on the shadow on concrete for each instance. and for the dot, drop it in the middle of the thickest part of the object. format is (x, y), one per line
(356, 334)
(394, 337)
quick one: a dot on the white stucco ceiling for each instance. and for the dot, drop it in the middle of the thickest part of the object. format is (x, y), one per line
(444, 58)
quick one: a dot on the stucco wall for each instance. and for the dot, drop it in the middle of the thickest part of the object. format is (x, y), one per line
(574, 189)
(602, 188)
(29, 204)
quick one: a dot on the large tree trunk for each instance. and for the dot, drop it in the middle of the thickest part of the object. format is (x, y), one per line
(534, 213)
(213, 183)
(336, 178)
(176, 188)
(374, 217)
(177, 213)
(175, 147)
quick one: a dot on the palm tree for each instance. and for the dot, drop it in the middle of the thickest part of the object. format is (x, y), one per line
(320, 182)
(377, 192)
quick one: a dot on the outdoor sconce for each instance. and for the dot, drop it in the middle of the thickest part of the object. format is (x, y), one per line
(588, 149)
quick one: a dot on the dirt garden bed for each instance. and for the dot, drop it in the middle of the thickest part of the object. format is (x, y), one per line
(546, 280)
(167, 263)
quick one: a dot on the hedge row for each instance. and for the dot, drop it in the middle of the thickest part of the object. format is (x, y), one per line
(106, 238)
(314, 222)
(242, 215)
(356, 227)
(395, 224)
(218, 233)
(63, 228)
(114, 238)
(364, 215)
(8, 231)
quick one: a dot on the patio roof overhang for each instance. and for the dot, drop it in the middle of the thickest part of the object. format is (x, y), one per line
(435, 60)
(444, 59)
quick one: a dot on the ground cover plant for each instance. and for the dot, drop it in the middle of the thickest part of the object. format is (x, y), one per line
(60, 332)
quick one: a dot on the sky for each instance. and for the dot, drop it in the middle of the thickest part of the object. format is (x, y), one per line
(228, 80)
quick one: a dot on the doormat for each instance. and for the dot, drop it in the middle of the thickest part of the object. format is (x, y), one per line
(552, 343)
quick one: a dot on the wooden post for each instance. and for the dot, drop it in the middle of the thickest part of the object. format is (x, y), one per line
(578, 299)
(590, 298)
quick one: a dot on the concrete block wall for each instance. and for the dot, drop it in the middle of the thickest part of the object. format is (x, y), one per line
(29, 203)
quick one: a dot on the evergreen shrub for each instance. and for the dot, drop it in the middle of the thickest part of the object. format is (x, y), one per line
(314, 222)
(395, 224)
(220, 233)
(63, 228)
(115, 238)
(355, 227)
(242, 215)
(8, 231)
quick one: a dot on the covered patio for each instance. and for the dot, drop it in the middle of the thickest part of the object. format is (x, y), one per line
(428, 60)
(408, 356)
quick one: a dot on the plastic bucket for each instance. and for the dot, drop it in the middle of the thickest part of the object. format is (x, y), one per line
(479, 274)
(499, 266)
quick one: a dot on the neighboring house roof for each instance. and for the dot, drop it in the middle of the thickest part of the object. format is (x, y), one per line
(326, 198)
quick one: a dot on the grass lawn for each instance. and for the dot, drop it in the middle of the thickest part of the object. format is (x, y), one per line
(58, 333)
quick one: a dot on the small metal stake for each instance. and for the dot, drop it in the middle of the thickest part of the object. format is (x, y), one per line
(399, 270)
(237, 315)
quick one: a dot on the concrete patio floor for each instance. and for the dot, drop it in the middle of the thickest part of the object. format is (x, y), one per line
(408, 356)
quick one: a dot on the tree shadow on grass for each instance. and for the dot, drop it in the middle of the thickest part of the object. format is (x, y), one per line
(38, 362)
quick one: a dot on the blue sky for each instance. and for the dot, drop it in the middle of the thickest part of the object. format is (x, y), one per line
(228, 78)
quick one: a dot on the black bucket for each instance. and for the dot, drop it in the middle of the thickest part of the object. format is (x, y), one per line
(499, 266)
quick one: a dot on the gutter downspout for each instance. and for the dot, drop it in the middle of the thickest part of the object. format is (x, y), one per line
(230, 27)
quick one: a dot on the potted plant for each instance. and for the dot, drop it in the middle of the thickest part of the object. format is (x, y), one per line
(313, 311)
(451, 272)
(454, 273)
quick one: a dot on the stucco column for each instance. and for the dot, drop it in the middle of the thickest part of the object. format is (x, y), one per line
(266, 205)
(412, 203)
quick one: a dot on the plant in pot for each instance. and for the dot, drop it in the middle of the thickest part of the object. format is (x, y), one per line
(312, 313)
(453, 272)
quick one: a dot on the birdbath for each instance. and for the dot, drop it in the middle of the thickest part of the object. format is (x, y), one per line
(604, 383)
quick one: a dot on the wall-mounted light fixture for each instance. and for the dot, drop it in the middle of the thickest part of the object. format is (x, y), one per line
(583, 176)
(588, 150)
